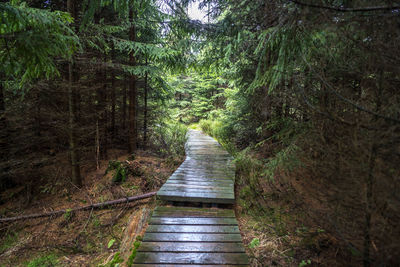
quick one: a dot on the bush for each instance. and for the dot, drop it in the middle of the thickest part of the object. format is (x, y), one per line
(123, 169)
(169, 138)
(220, 131)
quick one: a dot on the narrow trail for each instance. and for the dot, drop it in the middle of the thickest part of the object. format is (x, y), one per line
(189, 236)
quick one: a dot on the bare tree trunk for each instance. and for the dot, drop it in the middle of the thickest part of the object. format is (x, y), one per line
(132, 92)
(102, 114)
(37, 115)
(76, 174)
(4, 139)
(370, 179)
(145, 112)
(105, 115)
(112, 106)
(124, 105)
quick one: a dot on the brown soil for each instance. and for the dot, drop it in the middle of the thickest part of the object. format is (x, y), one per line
(81, 238)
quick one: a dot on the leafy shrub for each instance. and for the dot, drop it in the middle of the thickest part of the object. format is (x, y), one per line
(122, 169)
(219, 130)
(120, 173)
(205, 126)
(169, 138)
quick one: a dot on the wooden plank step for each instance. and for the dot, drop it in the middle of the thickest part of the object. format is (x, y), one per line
(188, 189)
(192, 212)
(200, 188)
(192, 229)
(208, 183)
(189, 237)
(197, 197)
(192, 221)
(180, 247)
(191, 258)
(185, 265)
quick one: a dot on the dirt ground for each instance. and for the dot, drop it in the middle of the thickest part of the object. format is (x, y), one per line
(85, 238)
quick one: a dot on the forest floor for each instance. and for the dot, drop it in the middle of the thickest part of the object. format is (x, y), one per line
(86, 238)
(275, 230)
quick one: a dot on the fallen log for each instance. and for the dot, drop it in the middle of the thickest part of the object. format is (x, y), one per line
(87, 207)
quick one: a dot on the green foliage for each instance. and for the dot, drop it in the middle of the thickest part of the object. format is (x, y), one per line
(30, 40)
(49, 260)
(115, 262)
(285, 160)
(120, 173)
(136, 246)
(68, 214)
(8, 241)
(255, 242)
(217, 129)
(169, 138)
(304, 263)
(110, 243)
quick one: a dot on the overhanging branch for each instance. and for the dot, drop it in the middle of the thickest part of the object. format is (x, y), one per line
(345, 9)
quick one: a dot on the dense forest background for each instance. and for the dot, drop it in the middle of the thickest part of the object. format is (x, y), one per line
(304, 94)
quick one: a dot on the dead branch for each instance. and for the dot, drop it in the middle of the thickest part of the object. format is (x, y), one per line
(87, 207)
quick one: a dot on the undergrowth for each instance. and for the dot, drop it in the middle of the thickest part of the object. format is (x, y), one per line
(169, 139)
(48, 260)
(135, 247)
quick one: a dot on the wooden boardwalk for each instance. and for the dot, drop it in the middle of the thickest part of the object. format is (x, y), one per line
(187, 236)
(206, 176)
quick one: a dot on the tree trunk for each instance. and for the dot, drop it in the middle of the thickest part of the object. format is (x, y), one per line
(132, 92)
(105, 113)
(37, 115)
(76, 174)
(124, 104)
(145, 112)
(370, 178)
(102, 113)
(112, 106)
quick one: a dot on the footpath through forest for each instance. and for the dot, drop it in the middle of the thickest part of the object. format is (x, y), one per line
(190, 235)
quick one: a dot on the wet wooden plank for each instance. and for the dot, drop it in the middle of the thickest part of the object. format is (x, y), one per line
(189, 237)
(192, 229)
(197, 197)
(192, 212)
(191, 258)
(184, 265)
(191, 209)
(179, 247)
(207, 183)
(202, 178)
(204, 187)
(192, 221)
(196, 189)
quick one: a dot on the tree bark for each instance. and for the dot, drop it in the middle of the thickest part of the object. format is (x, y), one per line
(3, 125)
(132, 92)
(124, 104)
(75, 168)
(112, 105)
(145, 112)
